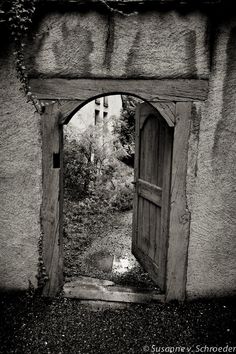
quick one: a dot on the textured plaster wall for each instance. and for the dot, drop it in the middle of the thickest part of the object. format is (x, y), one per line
(20, 181)
(90, 44)
(212, 177)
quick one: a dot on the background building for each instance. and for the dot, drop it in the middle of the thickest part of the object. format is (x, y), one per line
(99, 116)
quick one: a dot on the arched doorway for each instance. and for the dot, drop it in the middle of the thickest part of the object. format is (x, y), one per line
(96, 252)
(175, 114)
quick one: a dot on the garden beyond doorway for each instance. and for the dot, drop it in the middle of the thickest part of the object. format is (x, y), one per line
(98, 194)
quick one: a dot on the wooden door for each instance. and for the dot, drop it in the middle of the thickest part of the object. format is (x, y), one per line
(51, 212)
(153, 156)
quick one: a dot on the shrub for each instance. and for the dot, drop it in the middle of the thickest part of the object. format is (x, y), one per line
(79, 171)
(122, 200)
(94, 176)
(124, 129)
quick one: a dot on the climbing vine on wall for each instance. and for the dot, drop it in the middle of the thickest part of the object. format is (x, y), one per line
(18, 16)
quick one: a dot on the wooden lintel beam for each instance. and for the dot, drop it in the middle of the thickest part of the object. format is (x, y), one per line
(150, 90)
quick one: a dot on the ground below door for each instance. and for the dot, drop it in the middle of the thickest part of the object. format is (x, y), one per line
(107, 256)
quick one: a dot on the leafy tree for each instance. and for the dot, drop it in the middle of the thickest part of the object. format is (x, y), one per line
(88, 164)
(124, 129)
(78, 168)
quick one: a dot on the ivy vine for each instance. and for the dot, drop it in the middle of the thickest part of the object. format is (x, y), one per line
(18, 16)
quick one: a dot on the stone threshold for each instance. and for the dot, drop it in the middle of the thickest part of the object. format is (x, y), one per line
(93, 289)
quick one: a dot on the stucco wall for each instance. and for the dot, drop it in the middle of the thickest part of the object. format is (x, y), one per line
(212, 177)
(20, 181)
(90, 44)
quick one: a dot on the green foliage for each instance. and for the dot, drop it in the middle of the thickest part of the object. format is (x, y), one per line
(79, 170)
(96, 184)
(123, 198)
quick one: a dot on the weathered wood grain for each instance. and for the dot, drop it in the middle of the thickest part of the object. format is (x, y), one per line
(147, 263)
(150, 192)
(52, 198)
(136, 177)
(167, 110)
(179, 214)
(153, 161)
(152, 90)
(167, 134)
(68, 109)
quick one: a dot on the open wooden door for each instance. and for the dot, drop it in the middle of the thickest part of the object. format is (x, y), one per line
(153, 155)
(51, 212)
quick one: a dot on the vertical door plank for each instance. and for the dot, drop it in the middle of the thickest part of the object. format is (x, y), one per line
(157, 236)
(161, 151)
(153, 229)
(154, 210)
(140, 225)
(136, 177)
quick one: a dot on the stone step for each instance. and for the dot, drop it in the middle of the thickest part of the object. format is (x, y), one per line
(85, 288)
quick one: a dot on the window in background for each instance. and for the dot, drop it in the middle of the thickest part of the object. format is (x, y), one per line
(105, 101)
(96, 116)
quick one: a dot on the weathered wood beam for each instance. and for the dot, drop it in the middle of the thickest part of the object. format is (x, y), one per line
(149, 192)
(152, 90)
(68, 109)
(179, 214)
(167, 110)
(51, 209)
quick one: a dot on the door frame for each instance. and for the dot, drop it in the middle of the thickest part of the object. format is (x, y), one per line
(173, 99)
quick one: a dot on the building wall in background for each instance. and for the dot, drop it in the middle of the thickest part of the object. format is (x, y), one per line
(99, 114)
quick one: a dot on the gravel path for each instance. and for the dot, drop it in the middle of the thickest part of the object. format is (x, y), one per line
(63, 326)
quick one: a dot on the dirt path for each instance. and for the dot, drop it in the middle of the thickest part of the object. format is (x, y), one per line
(109, 255)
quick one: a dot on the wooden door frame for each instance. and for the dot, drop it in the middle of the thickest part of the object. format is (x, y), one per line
(173, 99)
